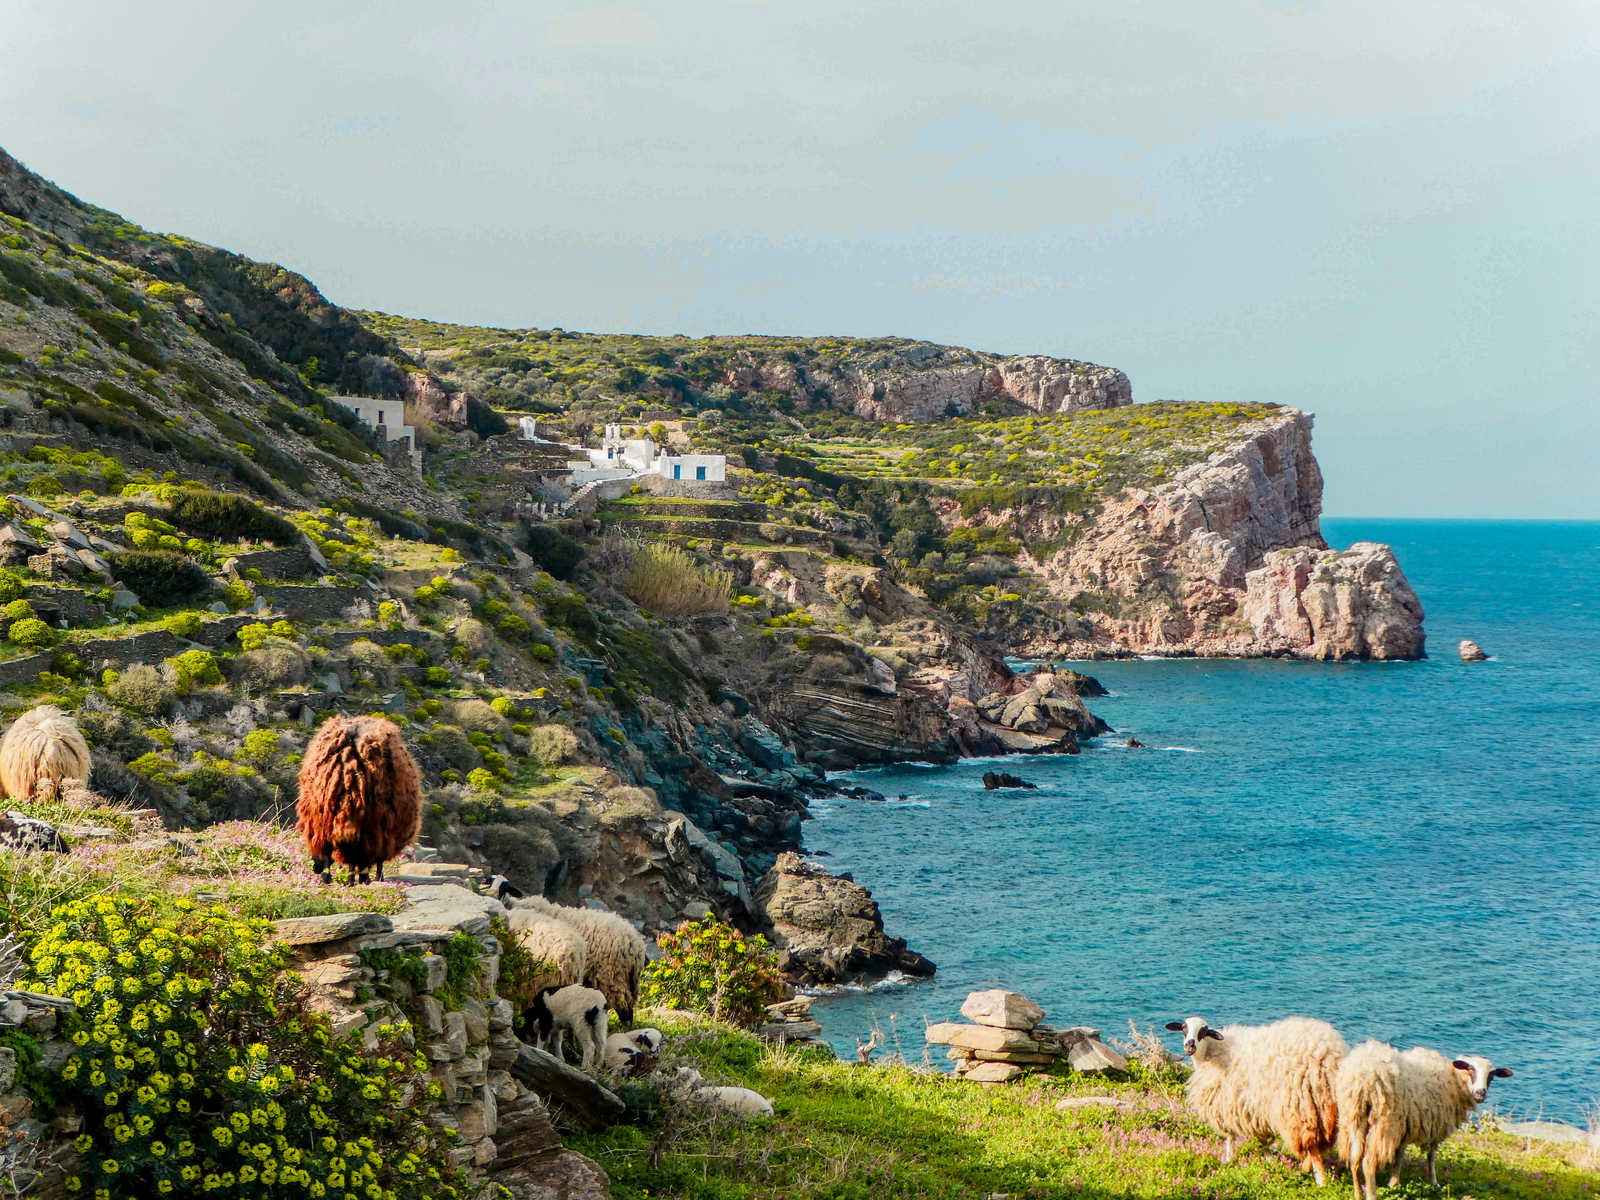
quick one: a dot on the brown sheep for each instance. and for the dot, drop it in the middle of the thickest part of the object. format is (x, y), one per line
(360, 796)
(41, 754)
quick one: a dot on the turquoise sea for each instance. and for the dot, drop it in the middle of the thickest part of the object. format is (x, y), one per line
(1409, 850)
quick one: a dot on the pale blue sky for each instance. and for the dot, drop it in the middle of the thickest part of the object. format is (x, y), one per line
(1384, 212)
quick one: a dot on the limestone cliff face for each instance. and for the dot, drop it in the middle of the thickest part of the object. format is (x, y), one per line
(1228, 559)
(923, 382)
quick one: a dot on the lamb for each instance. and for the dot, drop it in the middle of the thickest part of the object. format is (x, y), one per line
(616, 950)
(577, 1008)
(1390, 1099)
(740, 1102)
(42, 753)
(360, 796)
(22, 832)
(1253, 1081)
(632, 1053)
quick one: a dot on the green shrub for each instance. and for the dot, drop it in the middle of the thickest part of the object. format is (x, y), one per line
(160, 578)
(274, 663)
(437, 676)
(261, 746)
(450, 743)
(11, 587)
(709, 966)
(503, 705)
(669, 582)
(195, 668)
(553, 550)
(552, 745)
(141, 689)
(231, 518)
(17, 610)
(32, 633)
(480, 780)
(238, 596)
(198, 1068)
(543, 652)
(388, 612)
(185, 625)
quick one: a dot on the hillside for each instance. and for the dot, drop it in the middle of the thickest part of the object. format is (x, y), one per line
(622, 693)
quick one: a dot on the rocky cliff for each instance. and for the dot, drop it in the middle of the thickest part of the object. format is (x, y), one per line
(1227, 559)
(919, 381)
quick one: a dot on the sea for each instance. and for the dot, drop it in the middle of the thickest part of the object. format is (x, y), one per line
(1408, 850)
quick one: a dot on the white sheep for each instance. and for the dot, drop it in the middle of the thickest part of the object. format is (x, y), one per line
(740, 1102)
(1390, 1099)
(576, 1008)
(627, 1053)
(560, 946)
(41, 754)
(1253, 1081)
(616, 950)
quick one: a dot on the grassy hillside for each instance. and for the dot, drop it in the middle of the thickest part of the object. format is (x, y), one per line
(844, 1132)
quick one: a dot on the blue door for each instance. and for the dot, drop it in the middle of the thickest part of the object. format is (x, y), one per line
(677, 470)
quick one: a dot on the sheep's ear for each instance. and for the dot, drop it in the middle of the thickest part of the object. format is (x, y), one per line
(1461, 1064)
(1500, 1073)
(1175, 1026)
(1209, 1032)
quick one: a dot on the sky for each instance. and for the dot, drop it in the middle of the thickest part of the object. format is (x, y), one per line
(1383, 212)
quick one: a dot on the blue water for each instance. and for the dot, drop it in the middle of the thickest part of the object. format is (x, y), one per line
(1410, 850)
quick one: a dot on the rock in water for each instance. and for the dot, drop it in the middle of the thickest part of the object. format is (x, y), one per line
(1470, 651)
(1003, 779)
(827, 929)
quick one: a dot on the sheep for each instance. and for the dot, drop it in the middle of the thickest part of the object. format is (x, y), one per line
(616, 951)
(1389, 1099)
(22, 832)
(740, 1102)
(632, 1053)
(1253, 1081)
(360, 796)
(42, 752)
(577, 1008)
(554, 942)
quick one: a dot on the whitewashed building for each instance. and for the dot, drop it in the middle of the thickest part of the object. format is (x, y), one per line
(618, 457)
(388, 419)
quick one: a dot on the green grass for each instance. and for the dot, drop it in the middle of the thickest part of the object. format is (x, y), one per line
(844, 1132)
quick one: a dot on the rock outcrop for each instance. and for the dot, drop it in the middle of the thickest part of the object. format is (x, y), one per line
(1470, 651)
(918, 381)
(1228, 559)
(827, 928)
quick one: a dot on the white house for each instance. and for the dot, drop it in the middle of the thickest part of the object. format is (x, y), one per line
(387, 418)
(530, 429)
(640, 456)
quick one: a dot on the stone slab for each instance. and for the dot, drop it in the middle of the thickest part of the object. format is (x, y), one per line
(979, 1037)
(1002, 1009)
(335, 927)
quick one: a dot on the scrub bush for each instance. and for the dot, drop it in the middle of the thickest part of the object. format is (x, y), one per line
(709, 966)
(198, 1070)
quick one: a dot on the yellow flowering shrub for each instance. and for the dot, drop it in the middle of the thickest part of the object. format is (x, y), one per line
(199, 1072)
(710, 966)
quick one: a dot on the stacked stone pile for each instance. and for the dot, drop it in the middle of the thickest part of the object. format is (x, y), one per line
(1007, 1037)
(789, 1022)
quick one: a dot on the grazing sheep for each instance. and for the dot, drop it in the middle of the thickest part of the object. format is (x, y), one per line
(1253, 1081)
(616, 957)
(555, 943)
(738, 1101)
(1390, 1099)
(632, 1053)
(578, 1009)
(41, 753)
(22, 832)
(360, 796)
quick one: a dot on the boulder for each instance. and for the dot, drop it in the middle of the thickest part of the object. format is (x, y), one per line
(335, 927)
(17, 544)
(992, 1072)
(828, 929)
(1002, 1009)
(980, 1037)
(1470, 651)
(1092, 1055)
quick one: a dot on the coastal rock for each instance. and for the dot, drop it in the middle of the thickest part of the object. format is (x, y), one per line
(827, 929)
(1000, 1008)
(1332, 604)
(991, 1072)
(1470, 651)
(1227, 559)
(1002, 779)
